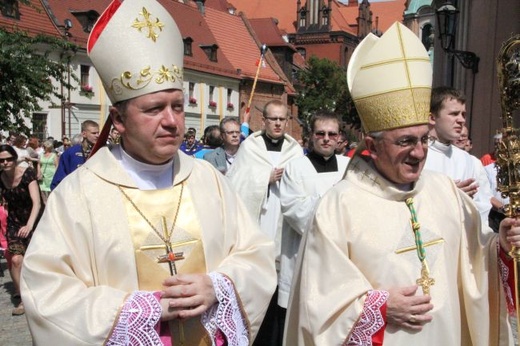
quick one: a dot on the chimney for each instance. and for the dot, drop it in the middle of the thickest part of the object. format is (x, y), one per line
(200, 6)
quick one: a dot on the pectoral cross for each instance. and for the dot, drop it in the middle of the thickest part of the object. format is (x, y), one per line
(170, 256)
(425, 281)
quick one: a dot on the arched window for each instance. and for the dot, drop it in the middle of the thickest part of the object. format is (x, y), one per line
(303, 17)
(427, 36)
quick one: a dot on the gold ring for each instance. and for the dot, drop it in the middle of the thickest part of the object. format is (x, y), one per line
(412, 319)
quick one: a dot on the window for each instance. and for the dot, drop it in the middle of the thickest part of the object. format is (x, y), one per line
(303, 15)
(212, 102)
(230, 105)
(211, 92)
(10, 8)
(39, 122)
(211, 51)
(427, 36)
(191, 92)
(85, 76)
(191, 89)
(229, 93)
(325, 16)
(187, 46)
(87, 19)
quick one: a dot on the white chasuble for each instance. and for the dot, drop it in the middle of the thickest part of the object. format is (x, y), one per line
(361, 242)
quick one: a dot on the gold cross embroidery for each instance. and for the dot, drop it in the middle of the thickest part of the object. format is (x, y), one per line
(425, 281)
(147, 23)
(412, 248)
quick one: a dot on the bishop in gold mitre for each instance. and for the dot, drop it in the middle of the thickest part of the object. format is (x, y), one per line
(395, 254)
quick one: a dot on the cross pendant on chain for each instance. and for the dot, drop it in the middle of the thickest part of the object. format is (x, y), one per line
(170, 257)
(425, 281)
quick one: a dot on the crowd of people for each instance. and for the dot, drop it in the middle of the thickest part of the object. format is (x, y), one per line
(250, 237)
(30, 170)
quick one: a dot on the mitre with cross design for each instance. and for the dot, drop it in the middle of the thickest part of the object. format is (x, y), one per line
(390, 80)
(149, 48)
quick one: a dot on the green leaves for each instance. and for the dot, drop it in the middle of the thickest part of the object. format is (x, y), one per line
(28, 68)
(324, 87)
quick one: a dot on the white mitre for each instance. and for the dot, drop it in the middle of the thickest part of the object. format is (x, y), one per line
(390, 80)
(137, 49)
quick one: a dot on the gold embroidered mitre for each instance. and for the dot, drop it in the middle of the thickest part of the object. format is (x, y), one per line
(137, 49)
(390, 80)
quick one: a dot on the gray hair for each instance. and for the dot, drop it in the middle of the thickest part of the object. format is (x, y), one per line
(226, 120)
(77, 139)
(376, 134)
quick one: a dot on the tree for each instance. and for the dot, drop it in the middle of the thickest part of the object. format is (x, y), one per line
(324, 87)
(27, 72)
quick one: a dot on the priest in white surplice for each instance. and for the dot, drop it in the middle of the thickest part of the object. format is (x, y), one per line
(255, 175)
(395, 254)
(304, 181)
(447, 119)
(143, 245)
(259, 165)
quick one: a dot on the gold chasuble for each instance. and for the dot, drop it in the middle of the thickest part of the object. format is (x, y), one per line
(171, 213)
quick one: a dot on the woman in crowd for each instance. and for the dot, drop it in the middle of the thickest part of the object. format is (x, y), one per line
(48, 162)
(20, 146)
(21, 193)
(35, 151)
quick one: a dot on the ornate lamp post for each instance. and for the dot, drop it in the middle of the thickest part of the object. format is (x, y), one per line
(447, 15)
(447, 24)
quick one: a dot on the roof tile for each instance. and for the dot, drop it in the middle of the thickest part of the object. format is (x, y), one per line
(238, 44)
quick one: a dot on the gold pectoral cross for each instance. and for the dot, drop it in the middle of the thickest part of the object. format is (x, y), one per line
(170, 256)
(425, 281)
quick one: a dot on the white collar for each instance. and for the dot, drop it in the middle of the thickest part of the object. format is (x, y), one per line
(146, 176)
(443, 148)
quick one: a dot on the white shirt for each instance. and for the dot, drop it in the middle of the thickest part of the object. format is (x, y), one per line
(459, 165)
(146, 176)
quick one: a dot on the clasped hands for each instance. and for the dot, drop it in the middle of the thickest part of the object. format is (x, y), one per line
(186, 295)
(406, 310)
(276, 175)
(468, 186)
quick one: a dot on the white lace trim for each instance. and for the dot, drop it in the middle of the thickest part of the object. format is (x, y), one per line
(226, 315)
(136, 324)
(370, 320)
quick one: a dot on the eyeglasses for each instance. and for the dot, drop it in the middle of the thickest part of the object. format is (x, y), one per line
(321, 134)
(7, 159)
(232, 132)
(275, 119)
(411, 142)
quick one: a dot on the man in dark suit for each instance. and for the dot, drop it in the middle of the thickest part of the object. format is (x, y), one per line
(223, 157)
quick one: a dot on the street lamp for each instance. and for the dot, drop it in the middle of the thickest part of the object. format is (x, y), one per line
(447, 24)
